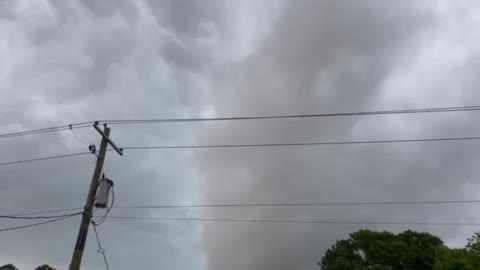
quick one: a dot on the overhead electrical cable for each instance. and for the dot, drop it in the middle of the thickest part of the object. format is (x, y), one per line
(47, 212)
(286, 116)
(35, 224)
(299, 204)
(37, 217)
(46, 130)
(44, 158)
(100, 248)
(324, 143)
(79, 139)
(167, 206)
(360, 113)
(326, 222)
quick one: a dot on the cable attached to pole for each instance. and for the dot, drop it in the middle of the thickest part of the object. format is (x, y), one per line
(102, 219)
(39, 217)
(98, 222)
(325, 222)
(43, 158)
(292, 116)
(37, 224)
(100, 248)
(45, 130)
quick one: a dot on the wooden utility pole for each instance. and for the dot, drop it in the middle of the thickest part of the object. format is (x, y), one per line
(87, 212)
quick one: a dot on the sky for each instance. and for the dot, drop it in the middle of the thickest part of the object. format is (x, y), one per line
(67, 62)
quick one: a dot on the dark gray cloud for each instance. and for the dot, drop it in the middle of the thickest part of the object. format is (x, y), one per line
(324, 56)
(83, 60)
(66, 62)
(111, 8)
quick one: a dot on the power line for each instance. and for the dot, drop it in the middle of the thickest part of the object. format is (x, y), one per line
(100, 248)
(361, 113)
(299, 221)
(44, 158)
(167, 206)
(35, 224)
(299, 143)
(167, 120)
(45, 130)
(165, 147)
(46, 212)
(78, 139)
(37, 217)
(299, 204)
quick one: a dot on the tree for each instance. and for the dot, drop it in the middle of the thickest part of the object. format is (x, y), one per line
(418, 249)
(467, 258)
(371, 250)
(474, 244)
(12, 267)
(8, 267)
(454, 259)
(44, 267)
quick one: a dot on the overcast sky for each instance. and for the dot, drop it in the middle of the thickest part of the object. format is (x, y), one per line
(66, 62)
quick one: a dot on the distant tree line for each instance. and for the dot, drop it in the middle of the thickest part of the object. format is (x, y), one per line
(12, 267)
(409, 250)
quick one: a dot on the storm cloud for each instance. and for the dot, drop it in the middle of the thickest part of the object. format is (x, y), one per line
(335, 56)
(73, 61)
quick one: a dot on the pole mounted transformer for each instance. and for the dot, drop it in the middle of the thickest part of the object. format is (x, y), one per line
(103, 191)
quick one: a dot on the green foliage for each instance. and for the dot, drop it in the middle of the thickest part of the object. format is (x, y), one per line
(418, 250)
(474, 244)
(12, 267)
(367, 249)
(455, 259)
(409, 250)
(8, 267)
(467, 258)
(45, 267)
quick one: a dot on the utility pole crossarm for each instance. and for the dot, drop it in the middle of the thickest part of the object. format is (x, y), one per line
(105, 136)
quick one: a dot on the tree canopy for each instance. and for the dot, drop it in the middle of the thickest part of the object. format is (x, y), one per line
(408, 250)
(12, 267)
(8, 267)
(45, 267)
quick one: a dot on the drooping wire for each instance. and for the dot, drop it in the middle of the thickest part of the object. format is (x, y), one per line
(100, 248)
(36, 224)
(77, 138)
